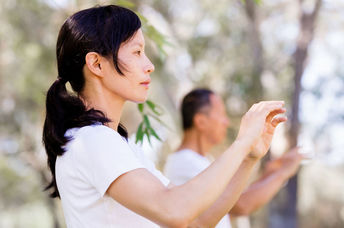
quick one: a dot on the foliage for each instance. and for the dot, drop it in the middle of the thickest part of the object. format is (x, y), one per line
(148, 109)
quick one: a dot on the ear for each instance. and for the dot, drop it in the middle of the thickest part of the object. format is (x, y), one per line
(200, 121)
(94, 63)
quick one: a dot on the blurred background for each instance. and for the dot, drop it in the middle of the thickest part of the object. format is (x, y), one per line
(244, 50)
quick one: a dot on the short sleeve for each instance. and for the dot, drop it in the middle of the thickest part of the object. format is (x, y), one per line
(102, 155)
(161, 177)
(150, 166)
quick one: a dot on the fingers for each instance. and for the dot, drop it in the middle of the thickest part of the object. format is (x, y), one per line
(266, 111)
(278, 120)
(266, 107)
(272, 109)
(260, 106)
(263, 104)
(293, 154)
(274, 113)
(294, 150)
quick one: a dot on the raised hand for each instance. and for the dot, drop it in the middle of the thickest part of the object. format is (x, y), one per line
(258, 126)
(288, 162)
(291, 161)
(263, 144)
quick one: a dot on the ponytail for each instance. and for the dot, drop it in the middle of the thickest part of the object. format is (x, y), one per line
(64, 111)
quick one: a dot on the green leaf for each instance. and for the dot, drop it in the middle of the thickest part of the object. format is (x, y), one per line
(145, 127)
(160, 121)
(258, 2)
(154, 134)
(142, 18)
(150, 104)
(141, 106)
(148, 136)
(155, 108)
(157, 37)
(146, 121)
(125, 3)
(139, 133)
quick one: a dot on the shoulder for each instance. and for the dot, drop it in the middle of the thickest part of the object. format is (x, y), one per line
(181, 158)
(95, 137)
(92, 133)
(97, 131)
(183, 155)
(186, 158)
(184, 165)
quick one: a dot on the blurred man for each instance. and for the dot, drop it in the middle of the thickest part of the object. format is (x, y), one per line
(205, 125)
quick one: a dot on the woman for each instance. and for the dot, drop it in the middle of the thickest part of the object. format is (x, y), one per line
(102, 180)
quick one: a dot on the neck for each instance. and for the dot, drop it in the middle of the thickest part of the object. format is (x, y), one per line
(95, 96)
(196, 141)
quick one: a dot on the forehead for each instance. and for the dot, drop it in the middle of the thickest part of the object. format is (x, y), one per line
(216, 102)
(136, 40)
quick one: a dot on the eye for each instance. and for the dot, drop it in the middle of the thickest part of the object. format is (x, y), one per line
(139, 52)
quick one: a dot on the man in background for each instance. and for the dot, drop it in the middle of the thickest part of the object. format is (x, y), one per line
(205, 124)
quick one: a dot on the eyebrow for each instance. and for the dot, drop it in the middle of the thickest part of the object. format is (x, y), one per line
(138, 43)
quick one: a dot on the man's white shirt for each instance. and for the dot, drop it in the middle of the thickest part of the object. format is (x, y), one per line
(185, 164)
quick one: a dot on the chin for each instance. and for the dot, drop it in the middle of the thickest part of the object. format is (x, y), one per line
(139, 99)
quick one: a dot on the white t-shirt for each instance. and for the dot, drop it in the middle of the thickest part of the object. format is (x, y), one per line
(185, 164)
(94, 158)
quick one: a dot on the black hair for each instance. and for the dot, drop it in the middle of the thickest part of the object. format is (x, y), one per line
(193, 103)
(100, 29)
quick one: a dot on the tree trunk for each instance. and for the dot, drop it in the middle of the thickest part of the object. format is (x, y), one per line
(256, 46)
(283, 212)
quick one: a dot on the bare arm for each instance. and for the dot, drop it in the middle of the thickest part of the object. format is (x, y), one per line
(228, 198)
(265, 188)
(178, 206)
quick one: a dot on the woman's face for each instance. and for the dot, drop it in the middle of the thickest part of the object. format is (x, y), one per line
(136, 67)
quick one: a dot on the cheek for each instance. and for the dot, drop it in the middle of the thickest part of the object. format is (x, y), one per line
(216, 135)
(221, 129)
(215, 130)
(135, 91)
(127, 62)
(119, 85)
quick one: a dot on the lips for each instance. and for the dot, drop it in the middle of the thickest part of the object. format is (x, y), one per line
(146, 83)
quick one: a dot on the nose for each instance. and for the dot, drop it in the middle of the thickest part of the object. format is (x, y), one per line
(149, 68)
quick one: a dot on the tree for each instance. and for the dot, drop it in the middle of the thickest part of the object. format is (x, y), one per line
(283, 210)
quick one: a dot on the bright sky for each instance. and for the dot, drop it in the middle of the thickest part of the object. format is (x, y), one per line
(323, 69)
